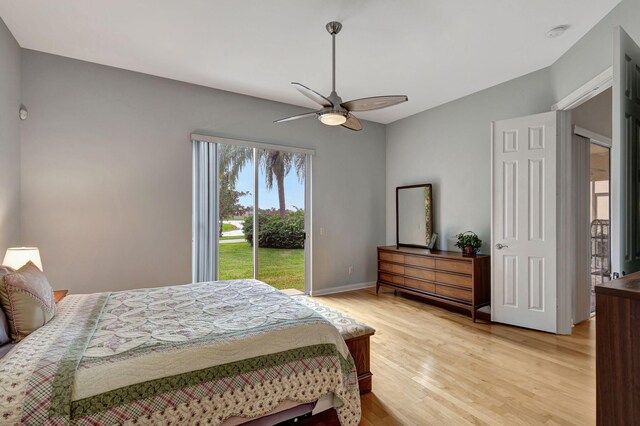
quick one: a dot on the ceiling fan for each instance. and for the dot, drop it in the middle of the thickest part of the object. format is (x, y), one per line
(334, 112)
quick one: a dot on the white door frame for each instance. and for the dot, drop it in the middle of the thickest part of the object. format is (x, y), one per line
(565, 229)
(567, 245)
(308, 212)
(589, 90)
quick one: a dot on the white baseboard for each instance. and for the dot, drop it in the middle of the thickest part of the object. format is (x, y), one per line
(342, 288)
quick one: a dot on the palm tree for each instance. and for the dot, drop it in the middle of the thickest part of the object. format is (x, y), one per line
(232, 159)
(276, 165)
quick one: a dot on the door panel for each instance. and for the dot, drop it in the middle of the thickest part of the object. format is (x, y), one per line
(536, 200)
(235, 200)
(281, 226)
(625, 153)
(510, 280)
(510, 204)
(536, 283)
(524, 222)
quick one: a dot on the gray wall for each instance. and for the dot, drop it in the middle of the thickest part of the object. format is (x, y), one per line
(106, 175)
(593, 53)
(10, 72)
(449, 147)
(595, 114)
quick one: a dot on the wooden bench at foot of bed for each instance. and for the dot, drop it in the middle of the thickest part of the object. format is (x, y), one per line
(360, 351)
(355, 334)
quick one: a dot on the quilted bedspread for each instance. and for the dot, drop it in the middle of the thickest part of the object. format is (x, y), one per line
(176, 355)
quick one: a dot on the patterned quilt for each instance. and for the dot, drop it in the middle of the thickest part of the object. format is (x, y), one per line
(197, 353)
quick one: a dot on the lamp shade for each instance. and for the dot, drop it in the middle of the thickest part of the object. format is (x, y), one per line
(16, 257)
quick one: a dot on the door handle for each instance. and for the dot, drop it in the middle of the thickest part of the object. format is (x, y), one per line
(501, 246)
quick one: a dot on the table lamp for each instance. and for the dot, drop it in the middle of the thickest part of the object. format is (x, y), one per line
(16, 257)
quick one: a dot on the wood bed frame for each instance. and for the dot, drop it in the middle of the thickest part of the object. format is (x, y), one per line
(360, 351)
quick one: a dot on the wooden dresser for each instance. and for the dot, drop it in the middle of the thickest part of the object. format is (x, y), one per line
(618, 352)
(442, 276)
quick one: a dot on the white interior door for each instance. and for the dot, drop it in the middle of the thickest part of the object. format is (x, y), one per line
(524, 222)
(625, 152)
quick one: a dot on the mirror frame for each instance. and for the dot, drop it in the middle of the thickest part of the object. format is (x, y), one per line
(398, 188)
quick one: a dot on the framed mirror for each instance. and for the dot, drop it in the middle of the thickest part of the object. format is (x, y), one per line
(414, 216)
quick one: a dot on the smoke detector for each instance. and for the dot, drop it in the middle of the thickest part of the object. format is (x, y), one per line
(556, 32)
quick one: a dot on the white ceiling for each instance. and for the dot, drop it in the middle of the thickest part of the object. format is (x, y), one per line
(434, 51)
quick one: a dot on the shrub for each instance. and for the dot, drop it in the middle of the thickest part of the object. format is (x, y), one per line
(287, 233)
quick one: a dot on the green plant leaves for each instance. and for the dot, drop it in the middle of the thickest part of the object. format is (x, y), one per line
(287, 233)
(468, 238)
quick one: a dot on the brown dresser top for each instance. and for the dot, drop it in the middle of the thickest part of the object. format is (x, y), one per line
(628, 286)
(427, 252)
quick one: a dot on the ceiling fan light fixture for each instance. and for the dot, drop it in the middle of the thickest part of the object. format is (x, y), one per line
(334, 112)
(333, 118)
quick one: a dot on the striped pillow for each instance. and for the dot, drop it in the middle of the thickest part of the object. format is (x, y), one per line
(5, 333)
(27, 300)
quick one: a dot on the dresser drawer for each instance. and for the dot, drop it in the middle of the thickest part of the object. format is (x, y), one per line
(461, 280)
(391, 278)
(454, 293)
(425, 262)
(442, 277)
(425, 274)
(455, 266)
(420, 285)
(391, 257)
(391, 267)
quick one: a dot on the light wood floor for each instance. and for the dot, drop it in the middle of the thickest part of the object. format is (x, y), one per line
(435, 367)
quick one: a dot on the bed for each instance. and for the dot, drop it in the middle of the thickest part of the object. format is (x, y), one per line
(205, 353)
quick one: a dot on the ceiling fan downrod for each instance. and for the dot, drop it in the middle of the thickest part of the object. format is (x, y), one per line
(333, 28)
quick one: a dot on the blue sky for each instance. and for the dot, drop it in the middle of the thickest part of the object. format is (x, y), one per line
(293, 190)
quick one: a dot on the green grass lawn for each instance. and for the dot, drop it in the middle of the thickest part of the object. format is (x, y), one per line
(228, 227)
(279, 268)
(237, 237)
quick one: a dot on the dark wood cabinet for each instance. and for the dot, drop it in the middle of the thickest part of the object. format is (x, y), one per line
(618, 352)
(446, 277)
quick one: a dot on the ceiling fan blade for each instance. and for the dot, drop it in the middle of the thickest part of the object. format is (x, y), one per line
(376, 102)
(352, 123)
(295, 117)
(313, 95)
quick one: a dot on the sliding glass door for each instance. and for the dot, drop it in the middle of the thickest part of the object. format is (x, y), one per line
(259, 217)
(281, 219)
(235, 210)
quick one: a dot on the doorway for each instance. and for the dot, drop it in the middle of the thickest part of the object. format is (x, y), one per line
(572, 286)
(592, 129)
(261, 214)
(252, 212)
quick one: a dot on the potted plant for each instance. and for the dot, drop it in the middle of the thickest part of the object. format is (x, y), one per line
(469, 243)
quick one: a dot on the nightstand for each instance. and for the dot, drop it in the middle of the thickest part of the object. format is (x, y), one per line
(58, 295)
